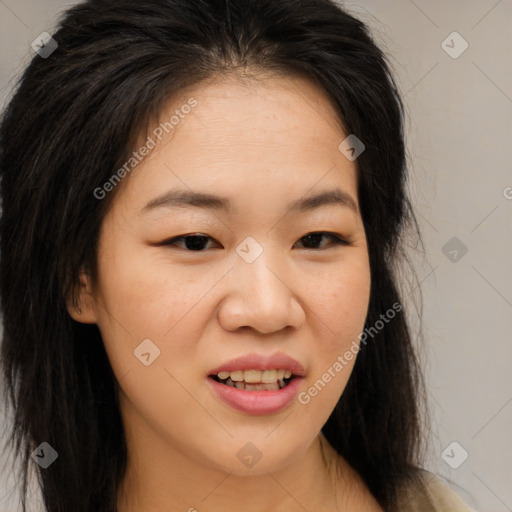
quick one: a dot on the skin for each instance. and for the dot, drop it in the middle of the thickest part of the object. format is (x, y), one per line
(262, 143)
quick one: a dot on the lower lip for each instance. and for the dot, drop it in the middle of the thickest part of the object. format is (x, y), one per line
(257, 402)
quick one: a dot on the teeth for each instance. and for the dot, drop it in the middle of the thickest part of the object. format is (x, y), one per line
(252, 376)
(274, 386)
(269, 376)
(255, 376)
(237, 376)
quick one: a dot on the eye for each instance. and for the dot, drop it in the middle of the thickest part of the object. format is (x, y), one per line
(314, 240)
(196, 242)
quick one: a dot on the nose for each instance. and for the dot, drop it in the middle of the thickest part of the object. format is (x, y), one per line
(260, 296)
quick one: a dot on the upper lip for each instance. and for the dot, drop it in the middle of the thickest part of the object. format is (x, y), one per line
(278, 361)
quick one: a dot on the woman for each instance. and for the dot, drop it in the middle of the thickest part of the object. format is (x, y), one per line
(203, 204)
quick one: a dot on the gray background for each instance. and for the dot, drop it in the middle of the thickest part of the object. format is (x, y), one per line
(459, 139)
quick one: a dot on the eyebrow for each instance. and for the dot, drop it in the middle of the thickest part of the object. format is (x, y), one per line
(328, 197)
(182, 198)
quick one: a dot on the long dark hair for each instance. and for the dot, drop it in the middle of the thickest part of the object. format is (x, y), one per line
(74, 118)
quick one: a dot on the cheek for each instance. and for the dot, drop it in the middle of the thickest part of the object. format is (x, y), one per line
(339, 306)
(149, 302)
(339, 300)
(157, 301)
(149, 296)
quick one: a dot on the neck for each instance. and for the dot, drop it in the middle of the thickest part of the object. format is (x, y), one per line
(163, 478)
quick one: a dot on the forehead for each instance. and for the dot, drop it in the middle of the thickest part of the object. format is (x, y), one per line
(270, 134)
(261, 105)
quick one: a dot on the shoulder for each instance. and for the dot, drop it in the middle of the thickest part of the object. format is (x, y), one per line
(430, 494)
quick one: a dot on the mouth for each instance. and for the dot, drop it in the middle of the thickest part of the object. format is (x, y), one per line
(257, 384)
(255, 380)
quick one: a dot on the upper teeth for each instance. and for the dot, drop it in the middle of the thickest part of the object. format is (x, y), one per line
(264, 376)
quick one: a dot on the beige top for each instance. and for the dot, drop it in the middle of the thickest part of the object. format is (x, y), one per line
(434, 496)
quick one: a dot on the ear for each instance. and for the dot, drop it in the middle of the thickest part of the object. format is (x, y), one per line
(82, 307)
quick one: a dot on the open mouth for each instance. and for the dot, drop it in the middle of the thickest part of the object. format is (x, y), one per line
(255, 380)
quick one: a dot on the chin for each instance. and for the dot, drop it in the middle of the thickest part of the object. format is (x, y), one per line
(259, 456)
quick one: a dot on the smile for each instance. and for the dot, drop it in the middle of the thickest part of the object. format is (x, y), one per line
(257, 383)
(255, 380)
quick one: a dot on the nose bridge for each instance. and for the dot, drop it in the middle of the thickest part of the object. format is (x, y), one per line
(259, 278)
(262, 276)
(259, 293)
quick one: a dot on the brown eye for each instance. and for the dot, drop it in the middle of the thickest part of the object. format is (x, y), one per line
(314, 240)
(195, 242)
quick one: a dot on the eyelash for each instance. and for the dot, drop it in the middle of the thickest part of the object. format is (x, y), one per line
(336, 240)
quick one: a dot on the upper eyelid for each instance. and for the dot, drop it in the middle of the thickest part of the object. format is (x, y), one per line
(341, 239)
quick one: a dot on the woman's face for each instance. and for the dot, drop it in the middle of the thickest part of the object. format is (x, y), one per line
(258, 287)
